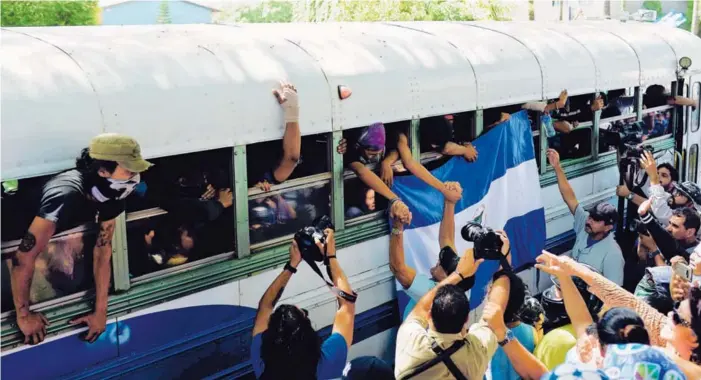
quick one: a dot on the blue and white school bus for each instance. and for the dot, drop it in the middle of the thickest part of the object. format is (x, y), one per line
(198, 96)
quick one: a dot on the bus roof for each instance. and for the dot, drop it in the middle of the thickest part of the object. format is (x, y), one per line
(186, 88)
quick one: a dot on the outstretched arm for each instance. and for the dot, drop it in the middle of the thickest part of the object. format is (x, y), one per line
(21, 272)
(345, 315)
(266, 305)
(446, 231)
(292, 139)
(402, 272)
(102, 254)
(565, 188)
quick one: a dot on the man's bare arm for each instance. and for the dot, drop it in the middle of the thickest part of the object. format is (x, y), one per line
(21, 272)
(102, 271)
(402, 272)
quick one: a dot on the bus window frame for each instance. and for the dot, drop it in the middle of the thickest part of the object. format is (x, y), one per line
(167, 283)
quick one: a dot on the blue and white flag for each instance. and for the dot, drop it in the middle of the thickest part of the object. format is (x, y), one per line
(501, 190)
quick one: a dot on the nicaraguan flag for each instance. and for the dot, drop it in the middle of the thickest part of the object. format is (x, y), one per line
(501, 190)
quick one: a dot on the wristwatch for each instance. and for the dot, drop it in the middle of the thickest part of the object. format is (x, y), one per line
(507, 338)
(630, 196)
(290, 268)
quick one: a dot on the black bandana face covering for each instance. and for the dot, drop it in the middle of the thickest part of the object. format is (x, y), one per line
(106, 189)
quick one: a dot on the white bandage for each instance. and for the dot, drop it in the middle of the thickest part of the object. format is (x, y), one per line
(291, 104)
(535, 106)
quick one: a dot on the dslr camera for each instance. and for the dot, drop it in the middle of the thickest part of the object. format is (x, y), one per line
(487, 243)
(307, 236)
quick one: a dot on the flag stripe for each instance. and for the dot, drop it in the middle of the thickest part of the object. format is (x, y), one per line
(502, 188)
(507, 146)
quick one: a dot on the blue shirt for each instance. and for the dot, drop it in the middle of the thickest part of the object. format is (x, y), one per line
(501, 365)
(604, 255)
(421, 285)
(334, 352)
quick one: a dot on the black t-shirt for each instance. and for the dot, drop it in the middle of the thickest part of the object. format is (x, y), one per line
(72, 198)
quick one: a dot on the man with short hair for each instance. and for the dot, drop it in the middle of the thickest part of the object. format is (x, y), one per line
(438, 322)
(667, 174)
(595, 244)
(106, 173)
(686, 194)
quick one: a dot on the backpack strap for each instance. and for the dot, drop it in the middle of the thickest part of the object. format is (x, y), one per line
(441, 356)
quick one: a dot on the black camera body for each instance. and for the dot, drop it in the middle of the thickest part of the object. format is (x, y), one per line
(307, 236)
(487, 243)
(620, 135)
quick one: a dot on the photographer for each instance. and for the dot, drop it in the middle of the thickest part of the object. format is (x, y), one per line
(436, 329)
(418, 284)
(285, 345)
(687, 194)
(369, 148)
(667, 175)
(679, 238)
(595, 244)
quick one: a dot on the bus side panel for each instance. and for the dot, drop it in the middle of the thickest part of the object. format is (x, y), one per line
(61, 355)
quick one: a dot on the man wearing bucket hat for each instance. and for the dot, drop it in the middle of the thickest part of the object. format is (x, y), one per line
(106, 173)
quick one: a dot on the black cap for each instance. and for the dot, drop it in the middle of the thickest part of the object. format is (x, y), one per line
(366, 368)
(604, 212)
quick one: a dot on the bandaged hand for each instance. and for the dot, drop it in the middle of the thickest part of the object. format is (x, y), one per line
(287, 97)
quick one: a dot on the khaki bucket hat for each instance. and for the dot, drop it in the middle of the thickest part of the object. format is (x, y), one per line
(119, 148)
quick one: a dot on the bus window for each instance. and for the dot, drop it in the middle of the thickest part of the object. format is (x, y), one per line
(359, 198)
(263, 158)
(65, 266)
(276, 212)
(182, 212)
(272, 216)
(445, 136)
(62, 269)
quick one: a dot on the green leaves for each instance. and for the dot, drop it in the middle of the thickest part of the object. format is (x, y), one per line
(371, 10)
(48, 13)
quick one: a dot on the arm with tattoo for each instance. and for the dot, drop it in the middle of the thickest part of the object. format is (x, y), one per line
(272, 295)
(102, 254)
(22, 269)
(101, 264)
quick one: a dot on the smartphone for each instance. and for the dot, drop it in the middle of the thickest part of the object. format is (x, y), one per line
(682, 270)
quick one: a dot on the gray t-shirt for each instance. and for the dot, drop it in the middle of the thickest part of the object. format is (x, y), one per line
(605, 255)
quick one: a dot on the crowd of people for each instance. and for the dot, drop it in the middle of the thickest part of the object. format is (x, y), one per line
(586, 321)
(585, 325)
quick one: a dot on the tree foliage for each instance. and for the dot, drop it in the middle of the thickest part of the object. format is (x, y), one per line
(653, 5)
(48, 13)
(164, 13)
(371, 10)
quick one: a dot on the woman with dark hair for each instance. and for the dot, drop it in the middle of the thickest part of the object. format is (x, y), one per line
(285, 345)
(621, 325)
(292, 344)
